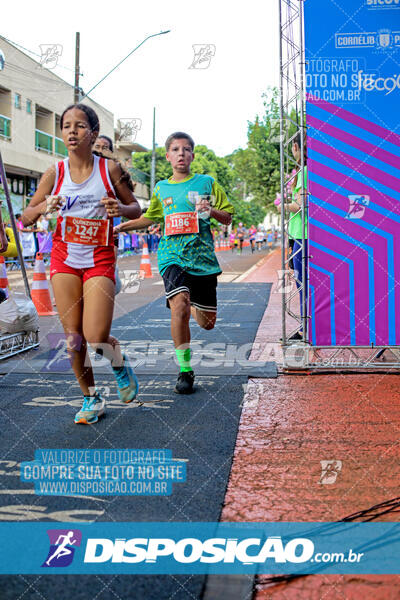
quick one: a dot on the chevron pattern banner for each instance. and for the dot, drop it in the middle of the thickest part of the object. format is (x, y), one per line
(353, 149)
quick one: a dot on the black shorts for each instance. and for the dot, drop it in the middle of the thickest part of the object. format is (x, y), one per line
(202, 289)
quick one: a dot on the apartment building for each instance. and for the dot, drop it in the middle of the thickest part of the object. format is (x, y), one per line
(32, 99)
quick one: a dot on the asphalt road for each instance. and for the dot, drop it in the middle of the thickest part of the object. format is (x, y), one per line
(36, 411)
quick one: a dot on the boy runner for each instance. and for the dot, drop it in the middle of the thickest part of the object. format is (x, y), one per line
(184, 204)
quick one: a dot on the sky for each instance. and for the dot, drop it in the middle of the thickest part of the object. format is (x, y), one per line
(213, 104)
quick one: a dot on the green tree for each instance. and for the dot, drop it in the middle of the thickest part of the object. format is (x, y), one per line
(142, 161)
(258, 165)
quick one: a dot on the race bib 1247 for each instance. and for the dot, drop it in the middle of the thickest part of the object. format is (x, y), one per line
(90, 232)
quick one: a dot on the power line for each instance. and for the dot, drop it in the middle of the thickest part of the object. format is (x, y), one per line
(32, 52)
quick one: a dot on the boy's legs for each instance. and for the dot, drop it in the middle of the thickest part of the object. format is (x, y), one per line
(180, 315)
(206, 319)
(182, 291)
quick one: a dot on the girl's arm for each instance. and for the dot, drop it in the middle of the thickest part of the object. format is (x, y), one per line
(38, 204)
(126, 204)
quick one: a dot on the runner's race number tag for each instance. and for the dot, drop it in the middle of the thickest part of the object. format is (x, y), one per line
(181, 223)
(90, 232)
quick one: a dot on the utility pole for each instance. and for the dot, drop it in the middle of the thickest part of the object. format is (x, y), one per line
(76, 88)
(153, 156)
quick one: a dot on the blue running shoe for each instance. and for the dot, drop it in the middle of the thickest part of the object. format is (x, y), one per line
(92, 409)
(128, 385)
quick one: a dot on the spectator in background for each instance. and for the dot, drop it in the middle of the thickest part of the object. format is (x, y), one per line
(43, 224)
(3, 237)
(3, 248)
(240, 233)
(232, 240)
(259, 238)
(104, 146)
(20, 225)
(296, 225)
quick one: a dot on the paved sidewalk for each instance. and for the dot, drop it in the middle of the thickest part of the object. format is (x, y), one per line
(288, 425)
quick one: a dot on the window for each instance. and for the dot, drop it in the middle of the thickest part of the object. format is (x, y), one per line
(29, 107)
(17, 100)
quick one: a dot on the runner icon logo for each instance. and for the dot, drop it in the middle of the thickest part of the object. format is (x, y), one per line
(62, 547)
(203, 54)
(50, 55)
(357, 206)
(330, 470)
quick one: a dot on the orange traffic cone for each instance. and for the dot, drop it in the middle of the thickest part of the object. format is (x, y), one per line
(40, 289)
(3, 277)
(216, 246)
(145, 265)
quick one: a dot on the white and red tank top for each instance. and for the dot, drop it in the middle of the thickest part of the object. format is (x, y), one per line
(83, 228)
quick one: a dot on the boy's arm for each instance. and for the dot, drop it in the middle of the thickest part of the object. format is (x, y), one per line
(153, 214)
(222, 216)
(139, 223)
(223, 210)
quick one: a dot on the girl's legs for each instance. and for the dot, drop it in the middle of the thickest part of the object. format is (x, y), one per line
(98, 308)
(68, 295)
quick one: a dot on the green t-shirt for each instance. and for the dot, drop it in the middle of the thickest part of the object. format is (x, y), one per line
(193, 252)
(296, 226)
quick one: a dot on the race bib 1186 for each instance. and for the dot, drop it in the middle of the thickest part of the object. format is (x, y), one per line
(90, 232)
(181, 223)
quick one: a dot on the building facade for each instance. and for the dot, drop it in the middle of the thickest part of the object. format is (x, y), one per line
(32, 99)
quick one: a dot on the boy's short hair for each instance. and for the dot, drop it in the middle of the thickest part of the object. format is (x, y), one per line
(178, 135)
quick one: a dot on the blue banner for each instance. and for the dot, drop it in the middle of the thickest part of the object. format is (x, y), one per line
(199, 548)
(352, 52)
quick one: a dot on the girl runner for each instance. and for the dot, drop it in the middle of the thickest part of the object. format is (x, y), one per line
(88, 191)
(232, 240)
(252, 237)
(104, 147)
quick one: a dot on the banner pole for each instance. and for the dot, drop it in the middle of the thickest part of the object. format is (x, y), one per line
(282, 133)
(14, 226)
(304, 197)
